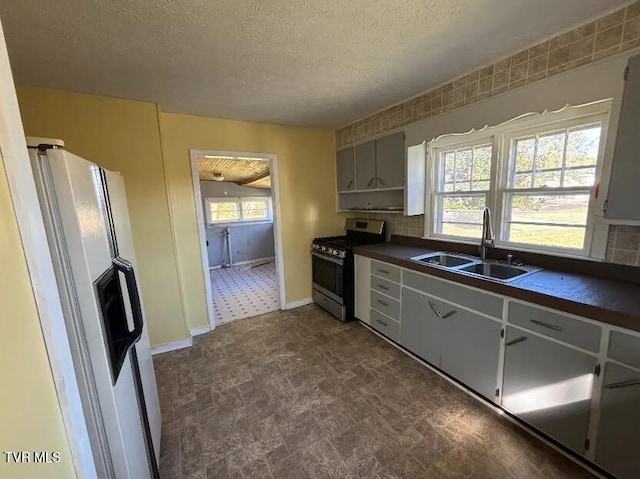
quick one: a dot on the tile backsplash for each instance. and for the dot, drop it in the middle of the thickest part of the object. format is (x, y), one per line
(623, 245)
(610, 34)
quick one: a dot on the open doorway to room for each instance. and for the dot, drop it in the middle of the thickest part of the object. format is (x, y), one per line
(239, 231)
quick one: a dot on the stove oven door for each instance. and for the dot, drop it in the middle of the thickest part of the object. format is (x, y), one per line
(328, 276)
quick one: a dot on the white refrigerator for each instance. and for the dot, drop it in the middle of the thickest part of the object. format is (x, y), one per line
(87, 222)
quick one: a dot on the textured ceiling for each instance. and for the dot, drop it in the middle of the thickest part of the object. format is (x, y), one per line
(306, 62)
(244, 171)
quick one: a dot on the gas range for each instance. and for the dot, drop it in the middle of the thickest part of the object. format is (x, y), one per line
(333, 265)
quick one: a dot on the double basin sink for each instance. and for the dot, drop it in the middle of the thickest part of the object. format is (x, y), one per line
(473, 266)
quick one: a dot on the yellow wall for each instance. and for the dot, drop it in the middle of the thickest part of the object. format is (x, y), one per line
(122, 135)
(30, 416)
(306, 167)
(126, 136)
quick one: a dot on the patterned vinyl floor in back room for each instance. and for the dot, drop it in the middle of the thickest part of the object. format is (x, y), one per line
(297, 394)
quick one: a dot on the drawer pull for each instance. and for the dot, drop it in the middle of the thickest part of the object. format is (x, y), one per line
(383, 271)
(440, 315)
(382, 302)
(623, 384)
(517, 340)
(547, 325)
(382, 322)
(383, 287)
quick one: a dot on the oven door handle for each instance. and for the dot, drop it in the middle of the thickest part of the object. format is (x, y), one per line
(328, 258)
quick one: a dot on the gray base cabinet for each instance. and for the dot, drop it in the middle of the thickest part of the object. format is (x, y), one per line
(470, 348)
(548, 385)
(462, 344)
(618, 437)
(418, 329)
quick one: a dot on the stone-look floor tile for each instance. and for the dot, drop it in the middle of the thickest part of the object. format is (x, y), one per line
(299, 431)
(218, 470)
(289, 467)
(297, 394)
(323, 461)
(257, 469)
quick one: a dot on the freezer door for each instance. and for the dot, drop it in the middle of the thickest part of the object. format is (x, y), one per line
(86, 242)
(124, 239)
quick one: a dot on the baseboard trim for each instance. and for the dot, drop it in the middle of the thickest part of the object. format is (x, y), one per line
(165, 348)
(198, 331)
(298, 303)
(240, 263)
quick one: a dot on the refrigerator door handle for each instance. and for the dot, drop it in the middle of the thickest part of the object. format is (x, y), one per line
(126, 268)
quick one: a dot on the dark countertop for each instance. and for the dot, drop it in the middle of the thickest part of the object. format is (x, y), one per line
(603, 299)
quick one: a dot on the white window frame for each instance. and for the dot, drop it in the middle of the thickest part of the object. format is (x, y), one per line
(238, 200)
(501, 136)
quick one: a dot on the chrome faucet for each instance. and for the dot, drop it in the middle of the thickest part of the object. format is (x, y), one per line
(487, 240)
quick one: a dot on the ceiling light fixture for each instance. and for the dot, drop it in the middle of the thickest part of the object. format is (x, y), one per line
(217, 176)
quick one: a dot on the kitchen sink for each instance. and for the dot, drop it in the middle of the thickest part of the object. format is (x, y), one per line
(497, 271)
(446, 260)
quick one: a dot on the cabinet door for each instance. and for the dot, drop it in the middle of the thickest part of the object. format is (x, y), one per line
(619, 428)
(418, 327)
(470, 349)
(345, 169)
(390, 161)
(362, 288)
(622, 200)
(366, 165)
(548, 385)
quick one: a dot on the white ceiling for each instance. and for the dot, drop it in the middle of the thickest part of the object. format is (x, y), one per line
(308, 63)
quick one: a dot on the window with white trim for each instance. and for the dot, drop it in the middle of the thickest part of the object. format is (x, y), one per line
(538, 174)
(238, 210)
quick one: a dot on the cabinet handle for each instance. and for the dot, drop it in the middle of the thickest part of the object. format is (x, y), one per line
(371, 181)
(383, 271)
(438, 314)
(382, 322)
(517, 340)
(382, 302)
(350, 184)
(383, 287)
(380, 181)
(547, 325)
(623, 384)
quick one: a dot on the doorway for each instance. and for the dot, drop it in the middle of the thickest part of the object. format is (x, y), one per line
(240, 233)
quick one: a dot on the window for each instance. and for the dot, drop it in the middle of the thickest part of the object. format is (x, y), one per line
(238, 210)
(538, 174)
(463, 186)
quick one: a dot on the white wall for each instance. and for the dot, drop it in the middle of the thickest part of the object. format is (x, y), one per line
(248, 242)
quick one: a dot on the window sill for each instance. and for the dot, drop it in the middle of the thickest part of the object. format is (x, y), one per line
(230, 224)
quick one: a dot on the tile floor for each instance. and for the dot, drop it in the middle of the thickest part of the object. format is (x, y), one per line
(297, 394)
(240, 292)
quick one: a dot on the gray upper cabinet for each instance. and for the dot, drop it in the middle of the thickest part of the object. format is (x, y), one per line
(345, 169)
(365, 154)
(470, 346)
(549, 386)
(418, 331)
(619, 427)
(390, 161)
(622, 201)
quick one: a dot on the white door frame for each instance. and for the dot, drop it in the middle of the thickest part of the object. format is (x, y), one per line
(277, 219)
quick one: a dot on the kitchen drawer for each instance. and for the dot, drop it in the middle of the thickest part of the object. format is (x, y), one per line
(385, 325)
(625, 348)
(386, 287)
(473, 299)
(384, 270)
(385, 305)
(569, 330)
